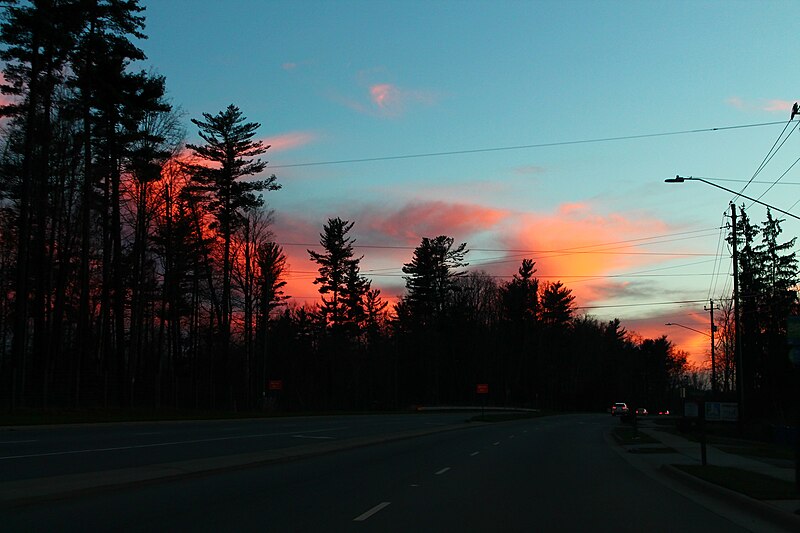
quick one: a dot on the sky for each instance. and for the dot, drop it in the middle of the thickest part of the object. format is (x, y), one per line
(539, 129)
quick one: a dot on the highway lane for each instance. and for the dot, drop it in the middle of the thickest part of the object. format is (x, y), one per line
(31, 452)
(549, 474)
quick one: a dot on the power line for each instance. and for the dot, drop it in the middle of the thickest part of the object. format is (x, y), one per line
(524, 146)
(576, 249)
(777, 180)
(643, 304)
(767, 158)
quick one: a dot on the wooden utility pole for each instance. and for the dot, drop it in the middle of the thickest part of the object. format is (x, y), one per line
(737, 348)
(710, 309)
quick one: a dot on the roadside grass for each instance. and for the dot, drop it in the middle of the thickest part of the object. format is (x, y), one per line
(758, 449)
(727, 440)
(753, 484)
(629, 435)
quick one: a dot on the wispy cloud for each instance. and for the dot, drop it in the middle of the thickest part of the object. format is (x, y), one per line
(415, 220)
(772, 105)
(287, 141)
(387, 100)
(529, 169)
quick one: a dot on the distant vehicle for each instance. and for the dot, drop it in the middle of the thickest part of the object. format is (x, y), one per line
(619, 408)
(665, 412)
(641, 411)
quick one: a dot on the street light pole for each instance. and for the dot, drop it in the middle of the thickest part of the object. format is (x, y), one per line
(736, 319)
(681, 179)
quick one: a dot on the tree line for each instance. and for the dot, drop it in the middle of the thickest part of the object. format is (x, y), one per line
(141, 271)
(768, 281)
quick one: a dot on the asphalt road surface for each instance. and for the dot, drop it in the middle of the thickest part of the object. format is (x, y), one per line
(31, 452)
(555, 473)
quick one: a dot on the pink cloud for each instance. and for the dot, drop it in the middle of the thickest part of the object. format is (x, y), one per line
(4, 98)
(429, 219)
(383, 94)
(288, 141)
(773, 105)
(389, 101)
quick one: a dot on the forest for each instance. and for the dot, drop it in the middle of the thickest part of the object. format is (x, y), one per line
(139, 270)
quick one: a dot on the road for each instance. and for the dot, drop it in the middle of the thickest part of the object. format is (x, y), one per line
(550, 474)
(31, 452)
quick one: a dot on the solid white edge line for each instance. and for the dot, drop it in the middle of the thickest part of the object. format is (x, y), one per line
(362, 517)
(158, 444)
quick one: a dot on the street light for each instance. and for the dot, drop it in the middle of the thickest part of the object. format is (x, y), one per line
(681, 179)
(687, 327)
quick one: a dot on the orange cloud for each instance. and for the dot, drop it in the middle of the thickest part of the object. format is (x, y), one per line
(696, 344)
(573, 243)
(567, 242)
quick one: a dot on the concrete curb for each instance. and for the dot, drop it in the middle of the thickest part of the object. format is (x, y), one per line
(28, 491)
(761, 509)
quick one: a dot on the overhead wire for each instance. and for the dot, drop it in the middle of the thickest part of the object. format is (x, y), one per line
(767, 158)
(524, 146)
(764, 162)
(720, 240)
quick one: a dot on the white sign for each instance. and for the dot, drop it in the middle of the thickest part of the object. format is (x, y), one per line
(722, 411)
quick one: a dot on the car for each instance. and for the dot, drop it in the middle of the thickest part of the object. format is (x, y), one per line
(619, 408)
(641, 411)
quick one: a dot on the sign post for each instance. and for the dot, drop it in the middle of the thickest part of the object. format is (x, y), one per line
(483, 390)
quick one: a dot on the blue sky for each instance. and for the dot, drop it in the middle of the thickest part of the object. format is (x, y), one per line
(345, 80)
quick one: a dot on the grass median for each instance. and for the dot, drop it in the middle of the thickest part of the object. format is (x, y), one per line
(627, 435)
(753, 484)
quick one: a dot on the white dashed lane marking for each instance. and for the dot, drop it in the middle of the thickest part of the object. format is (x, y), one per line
(442, 471)
(362, 517)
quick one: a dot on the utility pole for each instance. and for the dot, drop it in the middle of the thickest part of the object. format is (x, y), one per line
(737, 339)
(711, 308)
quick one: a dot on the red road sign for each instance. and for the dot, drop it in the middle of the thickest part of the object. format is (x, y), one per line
(482, 388)
(275, 384)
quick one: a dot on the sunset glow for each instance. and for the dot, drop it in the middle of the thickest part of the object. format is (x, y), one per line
(489, 144)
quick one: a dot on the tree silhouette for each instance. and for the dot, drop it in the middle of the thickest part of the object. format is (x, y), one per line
(557, 304)
(228, 151)
(431, 276)
(339, 280)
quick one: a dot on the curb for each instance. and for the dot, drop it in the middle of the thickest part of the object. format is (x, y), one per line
(762, 510)
(29, 491)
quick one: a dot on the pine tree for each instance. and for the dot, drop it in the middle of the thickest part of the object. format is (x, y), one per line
(229, 150)
(339, 281)
(431, 276)
(557, 304)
